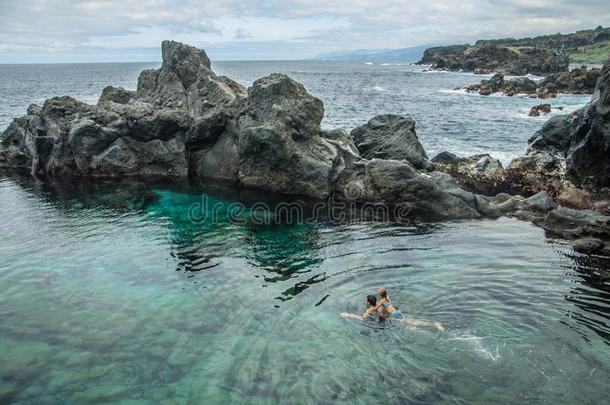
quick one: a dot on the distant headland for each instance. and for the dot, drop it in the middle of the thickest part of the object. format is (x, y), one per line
(539, 55)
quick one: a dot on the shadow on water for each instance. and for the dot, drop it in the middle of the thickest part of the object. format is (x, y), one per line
(591, 293)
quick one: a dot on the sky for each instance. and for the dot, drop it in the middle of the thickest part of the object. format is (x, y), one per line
(50, 31)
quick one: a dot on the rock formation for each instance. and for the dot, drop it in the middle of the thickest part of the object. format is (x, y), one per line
(184, 121)
(585, 46)
(391, 137)
(487, 58)
(577, 81)
(569, 158)
(540, 108)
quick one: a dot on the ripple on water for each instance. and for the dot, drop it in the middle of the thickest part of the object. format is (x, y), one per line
(228, 312)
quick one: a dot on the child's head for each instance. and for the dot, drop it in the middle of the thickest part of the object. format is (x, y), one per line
(371, 300)
(383, 292)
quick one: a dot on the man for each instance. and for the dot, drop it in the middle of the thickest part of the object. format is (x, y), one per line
(373, 308)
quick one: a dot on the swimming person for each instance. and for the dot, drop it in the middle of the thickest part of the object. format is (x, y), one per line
(389, 310)
(372, 309)
(386, 304)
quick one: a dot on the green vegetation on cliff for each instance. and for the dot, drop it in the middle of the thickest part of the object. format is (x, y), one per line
(596, 53)
(586, 46)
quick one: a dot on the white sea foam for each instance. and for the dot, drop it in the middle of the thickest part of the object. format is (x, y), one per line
(464, 150)
(523, 113)
(529, 76)
(373, 88)
(478, 344)
(454, 91)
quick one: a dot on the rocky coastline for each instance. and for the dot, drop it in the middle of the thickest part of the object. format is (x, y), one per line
(186, 122)
(577, 81)
(569, 158)
(489, 58)
(540, 55)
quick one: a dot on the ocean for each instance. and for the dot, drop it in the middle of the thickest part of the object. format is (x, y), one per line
(111, 293)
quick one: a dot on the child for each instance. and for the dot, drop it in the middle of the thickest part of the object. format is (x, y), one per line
(389, 309)
(385, 302)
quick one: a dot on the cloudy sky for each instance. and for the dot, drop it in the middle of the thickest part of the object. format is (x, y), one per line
(132, 30)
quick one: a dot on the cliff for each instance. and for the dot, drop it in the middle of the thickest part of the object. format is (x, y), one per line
(539, 55)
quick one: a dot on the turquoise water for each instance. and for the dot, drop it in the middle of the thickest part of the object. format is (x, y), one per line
(110, 293)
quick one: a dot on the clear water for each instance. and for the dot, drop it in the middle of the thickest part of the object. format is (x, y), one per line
(352, 93)
(110, 293)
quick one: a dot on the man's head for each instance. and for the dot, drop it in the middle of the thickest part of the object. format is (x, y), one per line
(371, 300)
(383, 293)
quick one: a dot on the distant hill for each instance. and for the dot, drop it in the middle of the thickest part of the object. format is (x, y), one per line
(412, 54)
(542, 54)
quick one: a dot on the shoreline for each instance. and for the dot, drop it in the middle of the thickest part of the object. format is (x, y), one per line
(185, 122)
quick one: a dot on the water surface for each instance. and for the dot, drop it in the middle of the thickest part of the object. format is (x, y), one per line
(111, 293)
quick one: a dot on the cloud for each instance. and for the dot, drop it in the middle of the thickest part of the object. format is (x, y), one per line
(242, 33)
(302, 27)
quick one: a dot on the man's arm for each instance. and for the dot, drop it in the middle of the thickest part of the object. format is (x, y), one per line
(359, 317)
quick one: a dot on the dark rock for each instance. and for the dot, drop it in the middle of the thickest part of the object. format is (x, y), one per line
(185, 61)
(478, 174)
(496, 81)
(280, 143)
(481, 71)
(534, 208)
(535, 172)
(184, 120)
(588, 159)
(588, 245)
(399, 184)
(431, 54)
(576, 224)
(116, 95)
(540, 202)
(493, 85)
(553, 137)
(577, 81)
(391, 137)
(487, 57)
(537, 109)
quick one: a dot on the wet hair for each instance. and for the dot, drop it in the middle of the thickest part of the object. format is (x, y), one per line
(383, 293)
(371, 299)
